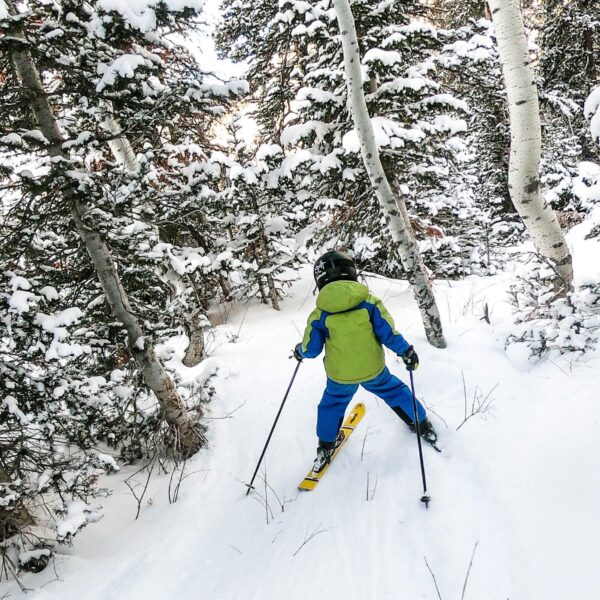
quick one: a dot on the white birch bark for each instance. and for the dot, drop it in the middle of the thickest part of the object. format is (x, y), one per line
(189, 439)
(526, 141)
(392, 205)
(196, 322)
(123, 152)
(120, 146)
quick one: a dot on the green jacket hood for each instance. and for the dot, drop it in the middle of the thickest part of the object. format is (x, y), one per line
(339, 296)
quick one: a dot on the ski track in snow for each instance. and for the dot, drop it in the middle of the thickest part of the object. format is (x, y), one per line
(523, 482)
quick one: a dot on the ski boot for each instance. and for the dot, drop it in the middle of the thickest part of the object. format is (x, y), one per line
(325, 452)
(426, 430)
(425, 427)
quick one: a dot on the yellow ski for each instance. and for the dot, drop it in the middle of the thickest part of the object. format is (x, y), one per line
(352, 420)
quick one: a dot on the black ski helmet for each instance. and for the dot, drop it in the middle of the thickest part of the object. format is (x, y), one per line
(333, 266)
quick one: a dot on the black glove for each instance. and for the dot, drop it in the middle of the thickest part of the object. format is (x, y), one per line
(296, 354)
(411, 359)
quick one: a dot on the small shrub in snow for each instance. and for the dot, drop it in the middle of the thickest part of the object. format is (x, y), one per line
(546, 320)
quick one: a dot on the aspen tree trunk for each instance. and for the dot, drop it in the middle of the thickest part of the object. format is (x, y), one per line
(264, 252)
(392, 205)
(196, 350)
(120, 146)
(526, 141)
(123, 152)
(189, 439)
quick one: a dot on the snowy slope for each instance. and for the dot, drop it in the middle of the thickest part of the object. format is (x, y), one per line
(522, 481)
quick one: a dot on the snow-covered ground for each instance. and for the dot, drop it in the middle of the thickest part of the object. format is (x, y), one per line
(518, 486)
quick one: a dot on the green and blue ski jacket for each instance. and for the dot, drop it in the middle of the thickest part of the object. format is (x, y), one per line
(352, 325)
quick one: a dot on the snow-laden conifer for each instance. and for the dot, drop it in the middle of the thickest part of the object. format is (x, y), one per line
(262, 197)
(569, 46)
(91, 241)
(418, 124)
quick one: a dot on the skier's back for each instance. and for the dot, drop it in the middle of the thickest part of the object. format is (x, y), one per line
(352, 325)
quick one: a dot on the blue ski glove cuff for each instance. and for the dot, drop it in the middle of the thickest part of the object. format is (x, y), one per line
(411, 359)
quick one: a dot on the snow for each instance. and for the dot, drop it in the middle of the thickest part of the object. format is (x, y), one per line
(447, 100)
(311, 94)
(585, 252)
(400, 84)
(78, 514)
(292, 134)
(19, 283)
(182, 260)
(20, 301)
(387, 133)
(291, 162)
(25, 557)
(450, 124)
(276, 225)
(328, 163)
(56, 323)
(268, 150)
(520, 481)
(478, 48)
(591, 110)
(3, 10)
(235, 87)
(80, 140)
(586, 185)
(418, 27)
(54, 34)
(35, 134)
(13, 408)
(123, 66)
(49, 293)
(140, 14)
(385, 57)
(12, 139)
(108, 460)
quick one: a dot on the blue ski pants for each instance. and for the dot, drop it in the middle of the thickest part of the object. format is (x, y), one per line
(337, 396)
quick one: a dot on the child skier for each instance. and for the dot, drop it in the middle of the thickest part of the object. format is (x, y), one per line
(352, 325)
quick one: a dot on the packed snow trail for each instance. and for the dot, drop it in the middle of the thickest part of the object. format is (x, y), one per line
(520, 481)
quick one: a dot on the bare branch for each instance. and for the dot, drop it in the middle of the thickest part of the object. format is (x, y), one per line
(462, 597)
(433, 577)
(480, 404)
(308, 537)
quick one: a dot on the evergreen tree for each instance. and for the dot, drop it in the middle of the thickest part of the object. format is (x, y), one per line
(569, 69)
(418, 125)
(472, 70)
(265, 213)
(112, 151)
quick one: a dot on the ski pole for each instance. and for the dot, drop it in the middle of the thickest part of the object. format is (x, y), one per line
(425, 498)
(250, 486)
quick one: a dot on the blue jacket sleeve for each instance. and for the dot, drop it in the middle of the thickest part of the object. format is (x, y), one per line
(383, 326)
(314, 335)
